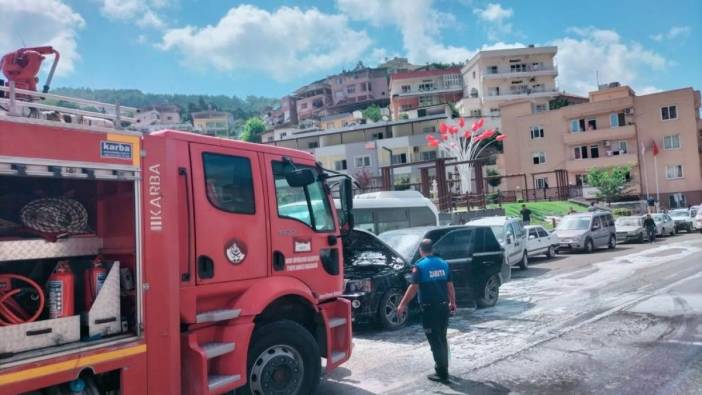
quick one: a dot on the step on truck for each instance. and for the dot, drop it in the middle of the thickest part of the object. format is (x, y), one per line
(162, 263)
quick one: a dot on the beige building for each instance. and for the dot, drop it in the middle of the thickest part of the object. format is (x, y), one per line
(214, 123)
(613, 128)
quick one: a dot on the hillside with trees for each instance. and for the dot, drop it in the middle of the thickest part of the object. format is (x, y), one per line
(241, 108)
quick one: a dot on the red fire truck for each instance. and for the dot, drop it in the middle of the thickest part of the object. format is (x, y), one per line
(222, 259)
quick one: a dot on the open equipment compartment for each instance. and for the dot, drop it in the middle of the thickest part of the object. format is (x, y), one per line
(109, 195)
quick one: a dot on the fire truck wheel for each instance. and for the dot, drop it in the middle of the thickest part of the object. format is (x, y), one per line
(284, 358)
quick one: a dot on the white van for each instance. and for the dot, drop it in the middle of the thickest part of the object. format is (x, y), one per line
(380, 212)
(511, 235)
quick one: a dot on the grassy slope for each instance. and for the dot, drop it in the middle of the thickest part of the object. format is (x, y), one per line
(539, 210)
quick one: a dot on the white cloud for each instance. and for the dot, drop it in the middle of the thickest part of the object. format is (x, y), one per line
(285, 43)
(495, 17)
(590, 51)
(501, 45)
(418, 22)
(38, 23)
(493, 13)
(141, 12)
(673, 33)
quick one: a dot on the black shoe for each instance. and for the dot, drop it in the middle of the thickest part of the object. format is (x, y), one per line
(438, 379)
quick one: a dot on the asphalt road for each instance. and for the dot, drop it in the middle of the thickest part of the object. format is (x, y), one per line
(623, 321)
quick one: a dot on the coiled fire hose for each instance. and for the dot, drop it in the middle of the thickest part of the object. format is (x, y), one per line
(11, 313)
(55, 215)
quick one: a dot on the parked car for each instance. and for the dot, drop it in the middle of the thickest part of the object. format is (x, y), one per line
(698, 219)
(587, 231)
(474, 255)
(512, 237)
(664, 224)
(540, 241)
(684, 219)
(374, 277)
(631, 229)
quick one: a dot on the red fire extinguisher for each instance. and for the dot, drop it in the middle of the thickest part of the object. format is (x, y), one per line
(60, 289)
(93, 279)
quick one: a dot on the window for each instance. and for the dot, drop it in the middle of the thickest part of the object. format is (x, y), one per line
(577, 125)
(491, 70)
(406, 88)
(313, 144)
(429, 129)
(399, 158)
(539, 158)
(428, 155)
(617, 119)
(542, 232)
(283, 135)
(677, 200)
(229, 183)
(541, 182)
(518, 68)
(362, 161)
(671, 142)
(620, 148)
(580, 179)
(533, 234)
(308, 204)
(673, 171)
(363, 86)
(455, 245)
(426, 100)
(351, 89)
(580, 152)
(669, 112)
(451, 80)
(377, 136)
(340, 165)
(537, 132)
(303, 106)
(591, 124)
(473, 74)
(426, 85)
(540, 108)
(594, 151)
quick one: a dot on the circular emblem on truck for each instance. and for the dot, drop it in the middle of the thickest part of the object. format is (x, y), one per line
(236, 252)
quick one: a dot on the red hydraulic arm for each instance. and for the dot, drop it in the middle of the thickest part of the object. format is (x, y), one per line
(22, 66)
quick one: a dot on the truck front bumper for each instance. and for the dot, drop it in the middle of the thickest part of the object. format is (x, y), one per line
(361, 307)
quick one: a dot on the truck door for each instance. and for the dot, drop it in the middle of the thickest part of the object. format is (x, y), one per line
(230, 220)
(304, 239)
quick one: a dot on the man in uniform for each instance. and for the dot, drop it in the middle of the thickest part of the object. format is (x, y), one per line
(437, 299)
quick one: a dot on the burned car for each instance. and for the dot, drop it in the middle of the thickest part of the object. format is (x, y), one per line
(374, 280)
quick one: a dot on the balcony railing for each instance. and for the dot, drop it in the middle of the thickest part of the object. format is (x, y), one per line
(583, 165)
(415, 90)
(589, 136)
(514, 94)
(503, 72)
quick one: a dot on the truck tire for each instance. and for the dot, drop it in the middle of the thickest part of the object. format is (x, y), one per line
(524, 263)
(387, 310)
(490, 293)
(283, 358)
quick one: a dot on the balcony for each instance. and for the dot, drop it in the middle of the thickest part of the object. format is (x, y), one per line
(414, 91)
(591, 136)
(520, 94)
(583, 165)
(504, 73)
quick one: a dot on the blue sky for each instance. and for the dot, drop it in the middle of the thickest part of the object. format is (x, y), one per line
(270, 47)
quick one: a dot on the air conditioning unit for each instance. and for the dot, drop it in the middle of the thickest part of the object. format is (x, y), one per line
(629, 111)
(415, 149)
(607, 143)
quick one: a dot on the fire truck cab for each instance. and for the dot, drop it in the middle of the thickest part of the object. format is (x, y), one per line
(224, 261)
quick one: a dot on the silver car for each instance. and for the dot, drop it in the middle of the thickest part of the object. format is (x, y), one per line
(587, 231)
(684, 219)
(630, 229)
(664, 224)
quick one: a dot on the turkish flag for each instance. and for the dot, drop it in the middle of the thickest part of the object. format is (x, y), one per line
(654, 148)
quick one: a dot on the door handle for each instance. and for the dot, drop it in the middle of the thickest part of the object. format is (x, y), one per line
(278, 261)
(205, 267)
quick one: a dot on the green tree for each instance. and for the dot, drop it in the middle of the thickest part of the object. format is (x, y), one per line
(372, 113)
(253, 128)
(611, 182)
(494, 180)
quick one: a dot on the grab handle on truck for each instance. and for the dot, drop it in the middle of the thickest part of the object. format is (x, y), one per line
(183, 172)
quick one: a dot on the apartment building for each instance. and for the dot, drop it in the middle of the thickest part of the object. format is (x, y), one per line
(159, 117)
(284, 115)
(614, 127)
(359, 88)
(368, 147)
(493, 77)
(213, 123)
(338, 121)
(313, 100)
(427, 90)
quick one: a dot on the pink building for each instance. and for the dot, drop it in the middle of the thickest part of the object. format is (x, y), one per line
(359, 88)
(424, 89)
(614, 127)
(313, 100)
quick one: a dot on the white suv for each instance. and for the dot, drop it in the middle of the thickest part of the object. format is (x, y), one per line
(511, 235)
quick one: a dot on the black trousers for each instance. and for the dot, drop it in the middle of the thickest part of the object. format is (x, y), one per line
(435, 322)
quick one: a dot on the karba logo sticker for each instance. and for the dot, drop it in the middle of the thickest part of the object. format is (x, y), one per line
(115, 150)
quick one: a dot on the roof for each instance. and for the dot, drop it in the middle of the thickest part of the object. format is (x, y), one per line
(161, 108)
(510, 52)
(336, 116)
(210, 114)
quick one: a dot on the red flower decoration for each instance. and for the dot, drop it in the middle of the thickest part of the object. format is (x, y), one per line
(501, 137)
(443, 128)
(453, 130)
(461, 122)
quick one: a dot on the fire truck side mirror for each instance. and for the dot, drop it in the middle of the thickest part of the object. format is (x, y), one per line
(346, 195)
(300, 177)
